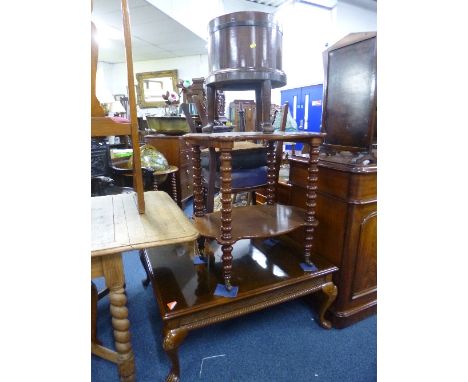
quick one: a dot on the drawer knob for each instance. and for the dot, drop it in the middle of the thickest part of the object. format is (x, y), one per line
(187, 172)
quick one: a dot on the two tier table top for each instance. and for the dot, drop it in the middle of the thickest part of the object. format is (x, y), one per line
(231, 137)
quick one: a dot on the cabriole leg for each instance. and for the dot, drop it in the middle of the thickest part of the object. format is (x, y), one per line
(171, 342)
(330, 290)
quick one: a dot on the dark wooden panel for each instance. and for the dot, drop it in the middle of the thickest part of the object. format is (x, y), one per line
(363, 187)
(366, 258)
(350, 92)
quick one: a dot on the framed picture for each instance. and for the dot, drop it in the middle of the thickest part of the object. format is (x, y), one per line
(152, 85)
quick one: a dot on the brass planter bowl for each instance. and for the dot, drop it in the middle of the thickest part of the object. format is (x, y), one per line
(168, 125)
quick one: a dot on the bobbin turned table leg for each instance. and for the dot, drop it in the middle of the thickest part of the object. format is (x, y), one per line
(144, 263)
(174, 186)
(198, 197)
(311, 196)
(114, 276)
(198, 205)
(271, 173)
(226, 209)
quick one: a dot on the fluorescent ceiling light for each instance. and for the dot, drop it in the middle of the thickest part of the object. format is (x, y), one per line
(322, 3)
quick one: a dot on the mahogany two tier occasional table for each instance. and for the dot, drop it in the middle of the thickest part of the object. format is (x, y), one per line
(258, 221)
(246, 247)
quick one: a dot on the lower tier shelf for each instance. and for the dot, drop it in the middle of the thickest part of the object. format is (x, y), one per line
(258, 221)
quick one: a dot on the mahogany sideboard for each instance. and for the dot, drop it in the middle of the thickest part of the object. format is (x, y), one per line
(178, 153)
(347, 233)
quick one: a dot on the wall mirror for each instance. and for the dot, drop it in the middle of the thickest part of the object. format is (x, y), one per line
(152, 85)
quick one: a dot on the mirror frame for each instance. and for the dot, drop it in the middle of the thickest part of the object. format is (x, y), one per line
(141, 77)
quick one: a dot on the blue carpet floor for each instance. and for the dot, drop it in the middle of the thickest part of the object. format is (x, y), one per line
(282, 343)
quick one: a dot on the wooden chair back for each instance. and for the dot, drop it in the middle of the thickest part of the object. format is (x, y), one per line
(101, 125)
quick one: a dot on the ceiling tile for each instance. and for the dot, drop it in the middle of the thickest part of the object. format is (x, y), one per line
(154, 34)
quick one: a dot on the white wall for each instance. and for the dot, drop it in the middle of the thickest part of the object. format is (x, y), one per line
(306, 31)
(188, 67)
(103, 79)
(348, 18)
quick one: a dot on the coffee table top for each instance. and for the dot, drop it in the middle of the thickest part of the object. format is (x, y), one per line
(260, 266)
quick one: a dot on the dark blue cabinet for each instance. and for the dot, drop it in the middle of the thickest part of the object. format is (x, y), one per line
(305, 105)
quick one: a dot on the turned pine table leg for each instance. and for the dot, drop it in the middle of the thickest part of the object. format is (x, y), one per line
(226, 209)
(115, 281)
(330, 290)
(310, 200)
(171, 342)
(271, 173)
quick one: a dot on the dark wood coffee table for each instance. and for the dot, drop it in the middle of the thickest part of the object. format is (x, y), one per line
(266, 271)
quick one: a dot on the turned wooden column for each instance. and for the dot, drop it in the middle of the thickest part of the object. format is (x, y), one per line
(210, 106)
(198, 206)
(198, 194)
(226, 209)
(266, 101)
(258, 108)
(263, 103)
(311, 197)
(174, 186)
(113, 273)
(271, 173)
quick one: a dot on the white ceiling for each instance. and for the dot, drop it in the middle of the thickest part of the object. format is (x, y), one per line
(154, 34)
